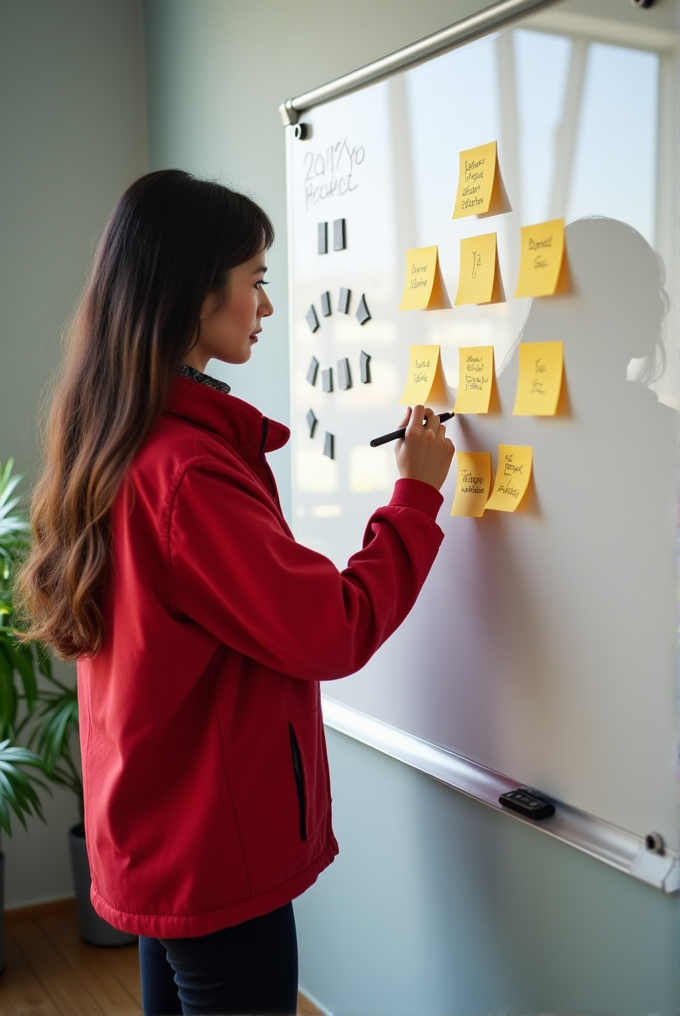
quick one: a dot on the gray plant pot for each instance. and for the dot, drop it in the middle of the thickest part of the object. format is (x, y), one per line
(93, 928)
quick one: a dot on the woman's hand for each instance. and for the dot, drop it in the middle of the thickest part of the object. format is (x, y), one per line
(425, 452)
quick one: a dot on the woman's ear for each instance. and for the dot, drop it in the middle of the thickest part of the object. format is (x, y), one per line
(210, 305)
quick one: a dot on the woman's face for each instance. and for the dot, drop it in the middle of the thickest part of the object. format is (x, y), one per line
(231, 321)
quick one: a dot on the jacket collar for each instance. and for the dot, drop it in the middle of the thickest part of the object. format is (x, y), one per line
(223, 414)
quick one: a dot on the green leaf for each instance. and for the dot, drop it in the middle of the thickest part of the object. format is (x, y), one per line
(8, 483)
(4, 817)
(57, 717)
(8, 694)
(6, 472)
(43, 657)
(18, 793)
(22, 657)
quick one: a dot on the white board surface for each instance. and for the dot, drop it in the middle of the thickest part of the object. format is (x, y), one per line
(544, 644)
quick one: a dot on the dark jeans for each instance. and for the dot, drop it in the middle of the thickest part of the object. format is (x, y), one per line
(251, 968)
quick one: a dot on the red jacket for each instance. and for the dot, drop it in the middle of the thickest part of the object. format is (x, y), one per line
(207, 795)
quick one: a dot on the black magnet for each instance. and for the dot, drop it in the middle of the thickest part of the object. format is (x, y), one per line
(312, 319)
(363, 313)
(311, 422)
(313, 368)
(339, 234)
(329, 445)
(365, 368)
(344, 376)
(322, 238)
(327, 379)
(326, 304)
(301, 131)
(343, 301)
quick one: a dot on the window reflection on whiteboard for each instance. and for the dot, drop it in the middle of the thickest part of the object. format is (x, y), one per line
(616, 151)
(540, 110)
(371, 469)
(314, 473)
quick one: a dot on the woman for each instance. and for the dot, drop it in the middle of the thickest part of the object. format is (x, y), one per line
(162, 562)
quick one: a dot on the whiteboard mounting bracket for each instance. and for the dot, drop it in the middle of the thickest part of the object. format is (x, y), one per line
(289, 115)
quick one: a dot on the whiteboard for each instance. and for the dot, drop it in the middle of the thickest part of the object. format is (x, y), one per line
(544, 644)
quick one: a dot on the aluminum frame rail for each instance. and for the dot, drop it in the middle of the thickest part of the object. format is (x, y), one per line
(500, 15)
(616, 847)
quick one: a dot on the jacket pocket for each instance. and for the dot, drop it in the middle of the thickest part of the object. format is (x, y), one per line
(306, 735)
(299, 781)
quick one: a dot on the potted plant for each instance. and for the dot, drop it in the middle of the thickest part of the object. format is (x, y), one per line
(44, 713)
(18, 794)
(19, 767)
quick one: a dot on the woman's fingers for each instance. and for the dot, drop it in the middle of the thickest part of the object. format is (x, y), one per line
(416, 421)
(425, 452)
(407, 417)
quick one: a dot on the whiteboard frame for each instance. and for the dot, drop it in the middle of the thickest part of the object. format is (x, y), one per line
(475, 27)
(593, 836)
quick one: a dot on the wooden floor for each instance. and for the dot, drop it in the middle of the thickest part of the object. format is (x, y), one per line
(50, 971)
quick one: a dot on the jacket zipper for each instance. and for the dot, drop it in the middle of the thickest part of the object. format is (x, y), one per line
(299, 781)
(263, 460)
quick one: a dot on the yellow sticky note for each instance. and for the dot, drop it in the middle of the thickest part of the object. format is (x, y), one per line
(480, 184)
(423, 286)
(473, 484)
(512, 477)
(480, 275)
(426, 382)
(476, 376)
(543, 265)
(540, 378)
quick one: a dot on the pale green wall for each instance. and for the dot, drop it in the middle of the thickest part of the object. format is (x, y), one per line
(436, 904)
(72, 136)
(429, 908)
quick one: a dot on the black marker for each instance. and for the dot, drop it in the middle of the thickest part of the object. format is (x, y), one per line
(396, 434)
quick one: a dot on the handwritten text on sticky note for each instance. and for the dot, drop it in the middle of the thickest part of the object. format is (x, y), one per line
(423, 288)
(476, 379)
(473, 484)
(543, 268)
(479, 277)
(480, 186)
(540, 378)
(425, 383)
(512, 477)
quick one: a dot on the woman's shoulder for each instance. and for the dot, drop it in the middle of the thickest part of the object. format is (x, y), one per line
(175, 445)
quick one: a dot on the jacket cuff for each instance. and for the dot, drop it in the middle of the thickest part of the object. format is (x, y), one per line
(417, 494)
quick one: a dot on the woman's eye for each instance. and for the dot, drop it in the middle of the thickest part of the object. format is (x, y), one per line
(262, 282)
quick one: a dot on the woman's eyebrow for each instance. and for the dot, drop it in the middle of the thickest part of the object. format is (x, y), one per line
(259, 268)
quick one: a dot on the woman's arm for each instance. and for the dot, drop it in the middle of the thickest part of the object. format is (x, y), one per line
(234, 570)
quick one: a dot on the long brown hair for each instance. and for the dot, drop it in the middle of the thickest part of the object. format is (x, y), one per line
(171, 240)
